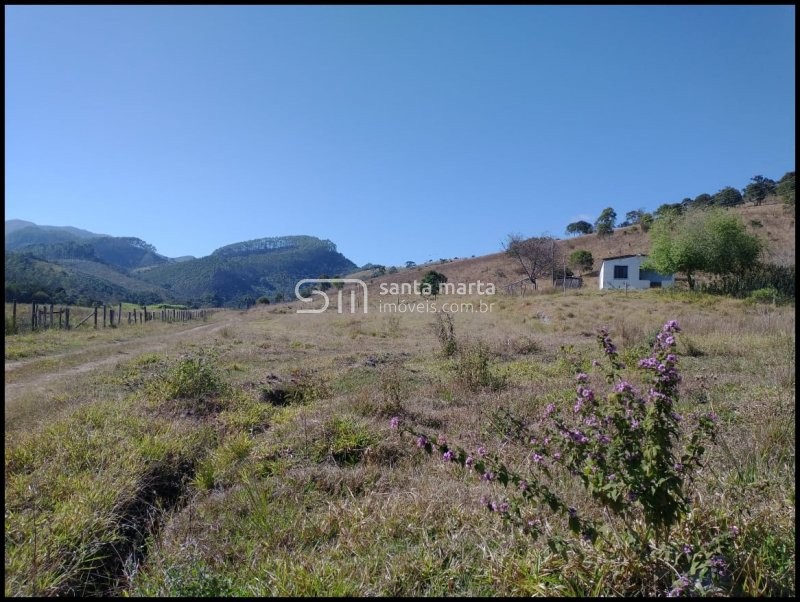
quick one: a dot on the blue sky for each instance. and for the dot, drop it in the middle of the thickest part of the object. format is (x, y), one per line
(400, 133)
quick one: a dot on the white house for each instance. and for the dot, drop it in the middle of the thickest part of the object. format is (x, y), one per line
(626, 271)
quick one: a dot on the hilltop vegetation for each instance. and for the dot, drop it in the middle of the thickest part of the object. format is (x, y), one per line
(56, 265)
(241, 273)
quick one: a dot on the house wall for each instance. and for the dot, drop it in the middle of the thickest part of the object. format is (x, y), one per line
(634, 264)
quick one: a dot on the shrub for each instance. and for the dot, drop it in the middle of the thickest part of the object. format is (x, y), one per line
(764, 295)
(474, 368)
(757, 276)
(444, 330)
(628, 451)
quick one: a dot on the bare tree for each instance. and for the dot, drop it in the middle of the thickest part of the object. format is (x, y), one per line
(537, 256)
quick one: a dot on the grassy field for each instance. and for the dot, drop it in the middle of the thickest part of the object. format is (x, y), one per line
(255, 456)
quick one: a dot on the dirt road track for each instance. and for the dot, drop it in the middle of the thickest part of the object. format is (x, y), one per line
(28, 380)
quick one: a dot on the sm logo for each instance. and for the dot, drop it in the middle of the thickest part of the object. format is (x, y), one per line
(354, 302)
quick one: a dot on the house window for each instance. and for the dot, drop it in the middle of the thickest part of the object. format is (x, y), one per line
(621, 272)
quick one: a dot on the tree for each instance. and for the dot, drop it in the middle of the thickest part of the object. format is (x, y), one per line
(264, 300)
(668, 209)
(536, 256)
(646, 221)
(758, 189)
(580, 227)
(410, 264)
(431, 281)
(581, 260)
(785, 188)
(605, 223)
(728, 197)
(634, 217)
(712, 241)
(703, 200)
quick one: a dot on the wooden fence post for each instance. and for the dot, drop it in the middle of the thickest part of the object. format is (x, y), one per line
(33, 316)
(66, 318)
(60, 311)
(119, 315)
(111, 317)
(104, 315)
(145, 313)
(14, 316)
(95, 317)
(129, 317)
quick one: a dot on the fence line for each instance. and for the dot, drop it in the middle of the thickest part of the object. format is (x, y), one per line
(47, 316)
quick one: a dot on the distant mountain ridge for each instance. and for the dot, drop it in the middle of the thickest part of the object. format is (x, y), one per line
(69, 265)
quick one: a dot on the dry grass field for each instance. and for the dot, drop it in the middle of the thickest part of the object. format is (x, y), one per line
(253, 454)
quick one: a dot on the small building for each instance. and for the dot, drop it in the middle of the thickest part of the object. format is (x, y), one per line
(626, 271)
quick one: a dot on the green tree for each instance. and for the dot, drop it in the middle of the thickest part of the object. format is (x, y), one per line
(703, 200)
(410, 264)
(431, 281)
(758, 189)
(646, 221)
(604, 225)
(668, 209)
(728, 197)
(785, 188)
(580, 227)
(711, 241)
(581, 260)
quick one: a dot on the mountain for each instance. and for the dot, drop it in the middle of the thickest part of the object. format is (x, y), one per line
(59, 264)
(241, 272)
(21, 232)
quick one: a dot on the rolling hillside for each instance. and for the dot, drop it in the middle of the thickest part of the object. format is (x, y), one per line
(771, 221)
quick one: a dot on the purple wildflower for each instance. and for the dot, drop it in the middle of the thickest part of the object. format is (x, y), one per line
(549, 409)
(734, 530)
(582, 377)
(503, 507)
(687, 549)
(623, 387)
(394, 423)
(481, 451)
(448, 456)
(572, 512)
(422, 441)
(719, 565)
(523, 485)
(469, 461)
(488, 476)
(536, 457)
(557, 455)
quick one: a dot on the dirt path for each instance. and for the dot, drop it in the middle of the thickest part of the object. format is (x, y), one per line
(23, 382)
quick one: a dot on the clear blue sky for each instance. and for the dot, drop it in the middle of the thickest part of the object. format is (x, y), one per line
(400, 133)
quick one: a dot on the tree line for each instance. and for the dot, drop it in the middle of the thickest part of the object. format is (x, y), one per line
(755, 192)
